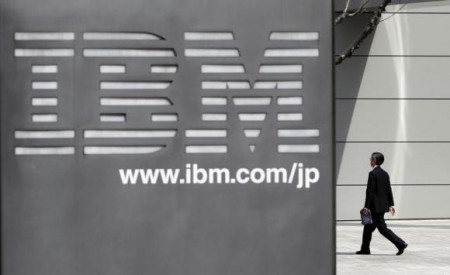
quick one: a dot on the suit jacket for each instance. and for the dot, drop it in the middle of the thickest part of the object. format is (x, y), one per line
(378, 193)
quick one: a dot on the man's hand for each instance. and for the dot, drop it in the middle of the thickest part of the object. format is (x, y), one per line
(365, 210)
(392, 210)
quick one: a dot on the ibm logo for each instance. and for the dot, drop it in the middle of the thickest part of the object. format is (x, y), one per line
(133, 87)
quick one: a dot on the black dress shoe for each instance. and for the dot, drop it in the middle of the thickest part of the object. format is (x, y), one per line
(363, 252)
(401, 250)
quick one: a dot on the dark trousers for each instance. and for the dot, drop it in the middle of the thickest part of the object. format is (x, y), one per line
(378, 222)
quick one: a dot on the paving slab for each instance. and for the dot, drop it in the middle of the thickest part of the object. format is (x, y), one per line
(428, 249)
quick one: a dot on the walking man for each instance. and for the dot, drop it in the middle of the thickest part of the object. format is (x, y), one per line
(379, 200)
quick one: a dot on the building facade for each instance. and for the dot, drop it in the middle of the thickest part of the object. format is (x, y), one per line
(393, 96)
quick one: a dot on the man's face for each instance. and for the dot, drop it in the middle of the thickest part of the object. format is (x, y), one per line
(372, 162)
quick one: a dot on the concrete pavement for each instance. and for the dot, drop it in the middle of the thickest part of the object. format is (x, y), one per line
(428, 251)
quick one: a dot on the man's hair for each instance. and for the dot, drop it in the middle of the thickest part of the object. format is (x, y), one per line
(378, 157)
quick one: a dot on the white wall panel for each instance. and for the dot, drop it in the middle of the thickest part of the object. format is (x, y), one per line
(398, 5)
(407, 163)
(425, 6)
(411, 202)
(414, 34)
(392, 120)
(393, 77)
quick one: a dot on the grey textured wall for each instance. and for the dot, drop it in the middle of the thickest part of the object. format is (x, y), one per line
(393, 97)
(262, 69)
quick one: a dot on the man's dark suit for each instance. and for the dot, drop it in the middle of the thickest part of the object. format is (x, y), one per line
(378, 200)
